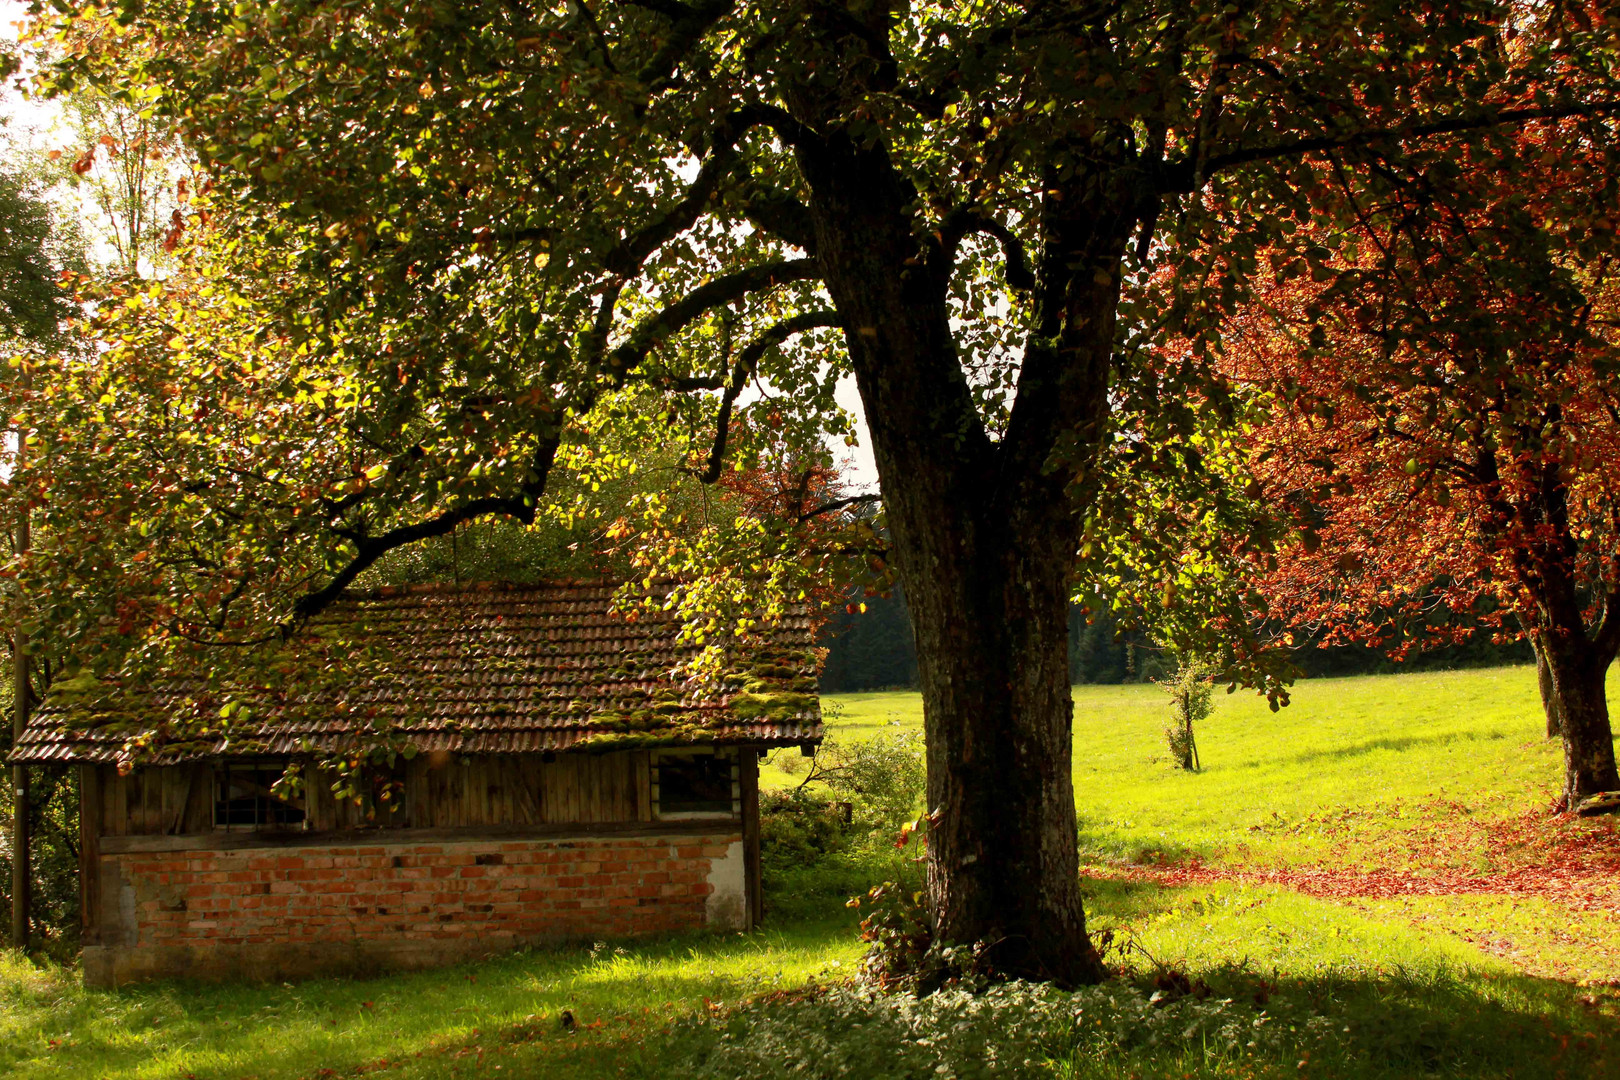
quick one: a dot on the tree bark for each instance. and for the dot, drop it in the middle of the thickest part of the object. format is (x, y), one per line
(1578, 673)
(1550, 702)
(21, 842)
(983, 535)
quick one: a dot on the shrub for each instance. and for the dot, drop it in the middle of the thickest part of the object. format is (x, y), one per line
(54, 826)
(799, 827)
(882, 778)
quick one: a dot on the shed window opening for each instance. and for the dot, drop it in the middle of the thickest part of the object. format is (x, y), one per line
(245, 798)
(699, 784)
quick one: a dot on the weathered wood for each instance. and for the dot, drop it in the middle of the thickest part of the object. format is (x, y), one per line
(199, 814)
(115, 804)
(230, 841)
(748, 769)
(525, 791)
(152, 800)
(174, 793)
(90, 824)
(470, 793)
(642, 784)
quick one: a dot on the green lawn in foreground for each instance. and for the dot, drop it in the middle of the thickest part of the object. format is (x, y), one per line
(426, 1024)
(1431, 986)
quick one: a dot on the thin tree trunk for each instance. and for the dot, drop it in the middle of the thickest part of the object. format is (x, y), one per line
(21, 871)
(1550, 703)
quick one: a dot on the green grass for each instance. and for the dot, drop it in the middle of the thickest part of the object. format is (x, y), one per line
(429, 1024)
(1373, 753)
(1369, 769)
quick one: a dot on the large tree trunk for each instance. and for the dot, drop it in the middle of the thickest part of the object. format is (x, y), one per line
(1578, 671)
(983, 534)
(1003, 867)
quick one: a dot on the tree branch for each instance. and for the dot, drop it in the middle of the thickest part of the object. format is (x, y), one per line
(743, 370)
(690, 22)
(782, 216)
(1181, 176)
(840, 504)
(368, 549)
(964, 221)
(721, 290)
(627, 257)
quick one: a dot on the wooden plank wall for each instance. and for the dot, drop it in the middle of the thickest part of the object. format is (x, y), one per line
(169, 800)
(440, 791)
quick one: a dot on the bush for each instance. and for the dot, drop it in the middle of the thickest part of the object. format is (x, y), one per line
(798, 828)
(835, 835)
(54, 827)
(882, 779)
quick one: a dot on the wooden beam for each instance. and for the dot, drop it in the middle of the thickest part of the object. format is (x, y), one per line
(753, 890)
(90, 777)
(374, 837)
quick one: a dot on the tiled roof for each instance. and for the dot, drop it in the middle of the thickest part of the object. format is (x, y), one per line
(468, 669)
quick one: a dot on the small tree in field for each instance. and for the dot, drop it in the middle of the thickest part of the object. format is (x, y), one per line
(1190, 691)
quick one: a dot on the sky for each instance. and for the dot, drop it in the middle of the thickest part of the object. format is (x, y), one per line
(35, 124)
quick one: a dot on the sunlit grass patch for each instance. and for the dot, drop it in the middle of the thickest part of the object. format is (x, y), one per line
(1339, 774)
(426, 1024)
(1543, 937)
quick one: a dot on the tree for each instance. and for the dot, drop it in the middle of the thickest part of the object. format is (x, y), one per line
(1448, 424)
(32, 301)
(1189, 691)
(525, 208)
(36, 249)
(129, 167)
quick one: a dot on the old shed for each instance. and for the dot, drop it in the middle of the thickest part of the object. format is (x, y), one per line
(555, 782)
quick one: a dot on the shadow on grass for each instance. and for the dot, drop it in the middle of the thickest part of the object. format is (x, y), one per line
(1394, 1025)
(1100, 842)
(1394, 743)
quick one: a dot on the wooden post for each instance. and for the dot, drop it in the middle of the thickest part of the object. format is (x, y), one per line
(90, 853)
(752, 891)
(20, 875)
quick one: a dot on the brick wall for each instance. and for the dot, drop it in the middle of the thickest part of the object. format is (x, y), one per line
(306, 909)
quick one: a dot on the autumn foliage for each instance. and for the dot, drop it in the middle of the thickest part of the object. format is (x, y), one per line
(1446, 423)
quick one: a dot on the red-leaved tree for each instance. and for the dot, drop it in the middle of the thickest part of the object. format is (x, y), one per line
(1447, 427)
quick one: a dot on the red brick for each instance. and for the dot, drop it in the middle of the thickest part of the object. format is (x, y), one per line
(313, 895)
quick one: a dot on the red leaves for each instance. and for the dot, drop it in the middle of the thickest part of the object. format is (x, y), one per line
(177, 229)
(1555, 857)
(85, 162)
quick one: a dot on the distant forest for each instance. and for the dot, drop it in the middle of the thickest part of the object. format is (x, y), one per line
(874, 650)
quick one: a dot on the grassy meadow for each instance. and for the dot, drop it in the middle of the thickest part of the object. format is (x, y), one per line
(1375, 749)
(1267, 875)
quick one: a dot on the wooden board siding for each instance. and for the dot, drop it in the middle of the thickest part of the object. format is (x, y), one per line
(90, 828)
(171, 800)
(439, 792)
